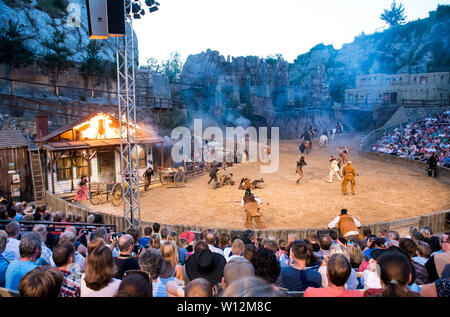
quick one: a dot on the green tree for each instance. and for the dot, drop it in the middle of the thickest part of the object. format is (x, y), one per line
(154, 65)
(13, 50)
(173, 66)
(395, 15)
(92, 65)
(57, 59)
(273, 58)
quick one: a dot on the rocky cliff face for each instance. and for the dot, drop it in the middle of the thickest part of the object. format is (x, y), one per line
(41, 18)
(294, 95)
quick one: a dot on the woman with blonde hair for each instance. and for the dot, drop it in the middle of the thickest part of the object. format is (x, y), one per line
(182, 252)
(98, 280)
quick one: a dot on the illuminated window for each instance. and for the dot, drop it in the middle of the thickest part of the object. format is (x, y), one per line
(64, 168)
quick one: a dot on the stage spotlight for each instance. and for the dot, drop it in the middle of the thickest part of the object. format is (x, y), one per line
(149, 2)
(153, 9)
(142, 12)
(136, 16)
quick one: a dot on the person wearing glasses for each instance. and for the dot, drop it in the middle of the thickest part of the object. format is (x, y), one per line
(437, 262)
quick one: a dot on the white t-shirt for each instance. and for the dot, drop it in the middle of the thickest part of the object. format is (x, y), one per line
(108, 291)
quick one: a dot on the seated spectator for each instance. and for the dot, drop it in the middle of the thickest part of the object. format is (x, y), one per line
(312, 261)
(440, 287)
(271, 245)
(11, 251)
(135, 284)
(99, 281)
(417, 236)
(198, 287)
(69, 237)
(151, 261)
(144, 241)
(437, 262)
(410, 247)
(69, 217)
(235, 269)
(282, 248)
(164, 234)
(134, 233)
(377, 243)
(393, 238)
(338, 271)
(156, 227)
(251, 287)
(64, 258)
(249, 251)
(155, 242)
(298, 277)
(125, 261)
(266, 265)
(224, 241)
(237, 250)
(429, 238)
(423, 253)
(211, 240)
(356, 257)
(30, 251)
(182, 252)
(46, 254)
(352, 281)
(42, 281)
(395, 274)
(103, 234)
(248, 237)
(3, 262)
(312, 237)
(324, 244)
(206, 264)
(189, 236)
(171, 266)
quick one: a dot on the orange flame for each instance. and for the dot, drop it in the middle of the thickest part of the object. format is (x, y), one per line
(99, 127)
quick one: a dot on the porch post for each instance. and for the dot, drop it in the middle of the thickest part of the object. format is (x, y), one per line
(162, 156)
(51, 171)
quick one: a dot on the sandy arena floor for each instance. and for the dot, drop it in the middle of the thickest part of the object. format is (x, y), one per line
(383, 192)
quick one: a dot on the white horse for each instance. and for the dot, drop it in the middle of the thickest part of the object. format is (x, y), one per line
(323, 141)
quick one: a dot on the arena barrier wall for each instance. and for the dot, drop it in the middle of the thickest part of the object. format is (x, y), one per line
(436, 221)
(415, 165)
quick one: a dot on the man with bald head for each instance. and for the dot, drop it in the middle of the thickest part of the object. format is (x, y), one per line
(125, 261)
(235, 269)
(199, 287)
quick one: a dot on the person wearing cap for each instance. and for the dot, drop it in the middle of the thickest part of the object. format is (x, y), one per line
(334, 169)
(251, 205)
(349, 174)
(208, 265)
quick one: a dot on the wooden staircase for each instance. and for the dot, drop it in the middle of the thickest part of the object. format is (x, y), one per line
(36, 171)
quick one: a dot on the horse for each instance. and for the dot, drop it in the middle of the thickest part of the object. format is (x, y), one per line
(323, 141)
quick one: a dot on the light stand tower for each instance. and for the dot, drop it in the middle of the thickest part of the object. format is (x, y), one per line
(128, 133)
(126, 95)
(105, 20)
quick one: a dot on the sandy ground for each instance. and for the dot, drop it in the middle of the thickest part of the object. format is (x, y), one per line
(383, 192)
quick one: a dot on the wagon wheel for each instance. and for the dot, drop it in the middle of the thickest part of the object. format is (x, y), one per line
(117, 193)
(164, 179)
(95, 198)
(179, 179)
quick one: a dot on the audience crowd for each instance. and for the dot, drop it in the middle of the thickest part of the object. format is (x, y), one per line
(419, 140)
(96, 263)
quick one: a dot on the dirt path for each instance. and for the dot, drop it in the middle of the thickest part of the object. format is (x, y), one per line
(383, 192)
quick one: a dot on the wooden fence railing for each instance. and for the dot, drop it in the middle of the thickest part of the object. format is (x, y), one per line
(436, 221)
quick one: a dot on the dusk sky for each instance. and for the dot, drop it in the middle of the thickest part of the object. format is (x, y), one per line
(262, 27)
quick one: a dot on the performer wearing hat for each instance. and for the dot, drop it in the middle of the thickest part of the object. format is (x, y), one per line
(299, 170)
(251, 205)
(349, 176)
(334, 169)
(213, 173)
(148, 177)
